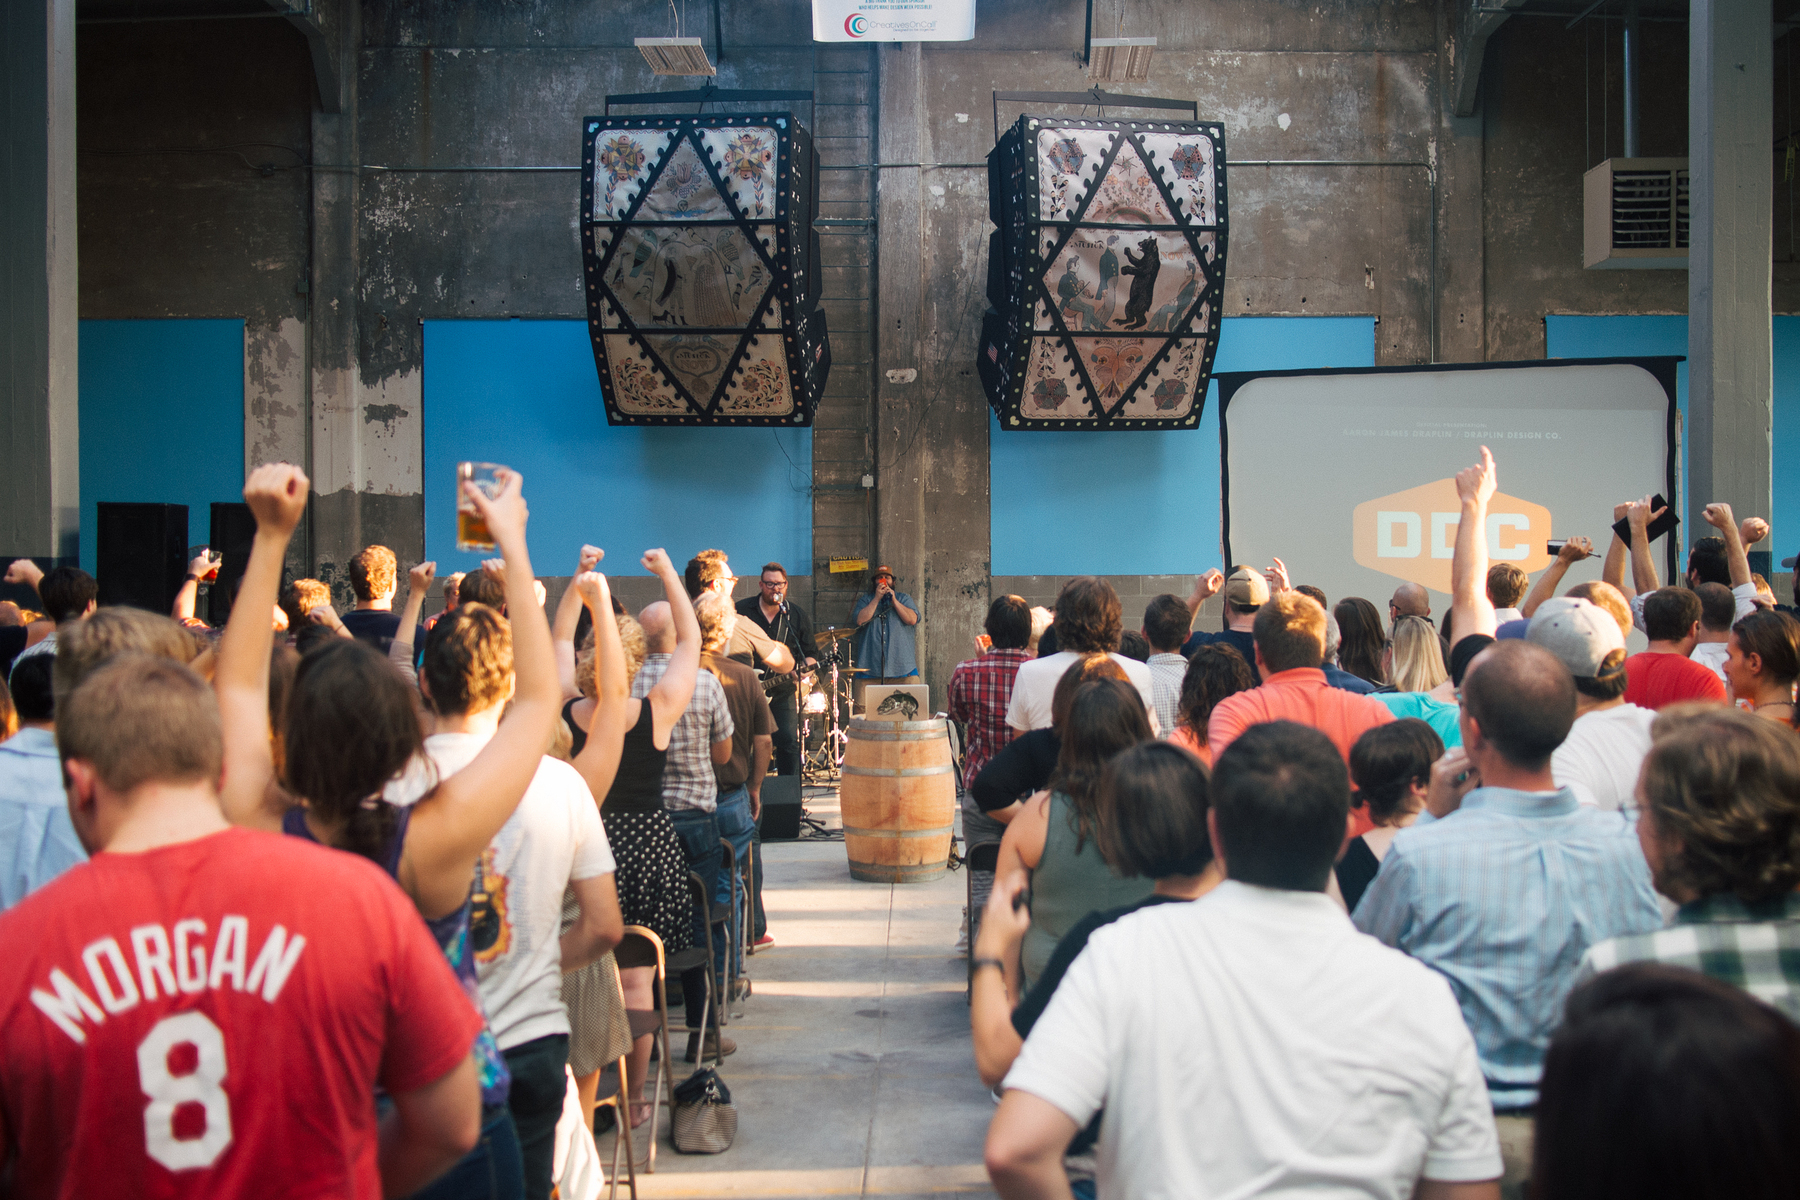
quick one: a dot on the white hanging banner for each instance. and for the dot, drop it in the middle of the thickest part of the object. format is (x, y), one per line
(893, 20)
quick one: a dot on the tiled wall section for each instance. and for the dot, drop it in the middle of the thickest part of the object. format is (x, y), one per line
(1134, 591)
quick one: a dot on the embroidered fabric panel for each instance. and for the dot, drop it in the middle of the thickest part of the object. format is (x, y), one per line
(698, 256)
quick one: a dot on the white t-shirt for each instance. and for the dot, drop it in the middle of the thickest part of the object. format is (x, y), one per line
(1253, 1042)
(552, 838)
(1711, 655)
(1035, 685)
(1602, 755)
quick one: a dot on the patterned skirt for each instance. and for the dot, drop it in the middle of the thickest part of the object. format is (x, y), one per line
(652, 875)
(599, 1030)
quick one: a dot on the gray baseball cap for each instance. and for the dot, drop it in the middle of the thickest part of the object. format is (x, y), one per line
(1579, 633)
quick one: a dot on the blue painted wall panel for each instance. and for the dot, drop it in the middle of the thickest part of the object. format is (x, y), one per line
(162, 418)
(525, 393)
(1598, 337)
(1143, 503)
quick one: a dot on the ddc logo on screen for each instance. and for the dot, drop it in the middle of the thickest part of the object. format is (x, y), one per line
(1411, 535)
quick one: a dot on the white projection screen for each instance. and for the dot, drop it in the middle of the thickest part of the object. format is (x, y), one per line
(1349, 476)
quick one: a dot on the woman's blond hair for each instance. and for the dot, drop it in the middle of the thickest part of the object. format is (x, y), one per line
(631, 640)
(1418, 656)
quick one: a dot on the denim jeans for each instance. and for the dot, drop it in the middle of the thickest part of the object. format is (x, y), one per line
(737, 827)
(699, 834)
(493, 1170)
(536, 1103)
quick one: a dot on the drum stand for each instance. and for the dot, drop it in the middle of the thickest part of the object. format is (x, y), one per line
(821, 767)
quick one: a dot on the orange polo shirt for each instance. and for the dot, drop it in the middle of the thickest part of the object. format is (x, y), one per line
(1302, 696)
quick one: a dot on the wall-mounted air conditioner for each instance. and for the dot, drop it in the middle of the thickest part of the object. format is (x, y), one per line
(1635, 214)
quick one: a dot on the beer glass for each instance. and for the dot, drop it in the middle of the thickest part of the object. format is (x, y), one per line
(471, 527)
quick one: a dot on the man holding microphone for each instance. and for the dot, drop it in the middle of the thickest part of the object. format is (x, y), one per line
(884, 632)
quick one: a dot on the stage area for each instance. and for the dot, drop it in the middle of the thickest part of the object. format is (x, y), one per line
(853, 1075)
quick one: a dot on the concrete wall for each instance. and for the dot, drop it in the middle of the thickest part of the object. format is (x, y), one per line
(1459, 247)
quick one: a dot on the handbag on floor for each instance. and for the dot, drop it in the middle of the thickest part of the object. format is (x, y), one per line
(704, 1120)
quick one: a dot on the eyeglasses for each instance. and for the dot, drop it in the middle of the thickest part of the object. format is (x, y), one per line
(774, 585)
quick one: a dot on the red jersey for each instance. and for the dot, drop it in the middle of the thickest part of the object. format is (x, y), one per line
(1655, 680)
(211, 1019)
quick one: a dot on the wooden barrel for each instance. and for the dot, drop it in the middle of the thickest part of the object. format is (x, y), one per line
(898, 795)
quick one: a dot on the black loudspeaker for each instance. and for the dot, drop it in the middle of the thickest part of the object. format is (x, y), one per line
(141, 553)
(233, 530)
(780, 808)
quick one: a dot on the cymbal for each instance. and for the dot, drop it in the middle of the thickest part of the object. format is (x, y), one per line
(831, 633)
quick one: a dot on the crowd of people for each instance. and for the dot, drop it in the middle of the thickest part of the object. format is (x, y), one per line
(1463, 907)
(412, 842)
(1471, 907)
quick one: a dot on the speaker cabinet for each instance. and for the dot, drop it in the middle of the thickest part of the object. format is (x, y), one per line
(702, 269)
(1106, 273)
(141, 553)
(233, 530)
(780, 808)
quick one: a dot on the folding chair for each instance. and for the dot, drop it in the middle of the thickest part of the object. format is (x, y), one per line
(751, 861)
(982, 856)
(618, 1100)
(738, 913)
(641, 947)
(717, 915)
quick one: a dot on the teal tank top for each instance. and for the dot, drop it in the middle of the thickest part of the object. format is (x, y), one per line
(1069, 884)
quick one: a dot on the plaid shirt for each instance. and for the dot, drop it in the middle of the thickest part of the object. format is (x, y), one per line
(1752, 946)
(688, 778)
(1167, 671)
(980, 691)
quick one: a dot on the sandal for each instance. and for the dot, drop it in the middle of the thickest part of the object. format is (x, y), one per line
(640, 1112)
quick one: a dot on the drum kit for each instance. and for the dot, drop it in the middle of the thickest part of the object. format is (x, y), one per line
(825, 698)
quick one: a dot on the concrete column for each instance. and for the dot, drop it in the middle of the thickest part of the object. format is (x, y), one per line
(367, 436)
(931, 443)
(40, 498)
(1730, 130)
(1458, 160)
(900, 239)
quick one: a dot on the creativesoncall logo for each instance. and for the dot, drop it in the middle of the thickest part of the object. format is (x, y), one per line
(1412, 534)
(856, 25)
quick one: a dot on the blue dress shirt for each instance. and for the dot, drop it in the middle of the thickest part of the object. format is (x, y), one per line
(37, 839)
(885, 644)
(1503, 897)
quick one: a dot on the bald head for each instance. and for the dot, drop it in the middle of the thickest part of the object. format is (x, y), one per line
(1522, 700)
(1411, 600)
(659, 628)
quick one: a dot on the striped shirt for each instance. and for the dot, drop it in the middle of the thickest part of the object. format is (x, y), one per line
(1752, 946)
(1502, 898)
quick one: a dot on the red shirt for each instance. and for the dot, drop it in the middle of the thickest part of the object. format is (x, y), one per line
(980, 692)
(211, 1019)
(1654, 680)
(1300, 695)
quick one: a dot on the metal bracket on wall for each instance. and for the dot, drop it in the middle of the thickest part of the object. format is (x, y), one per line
(702, 96)
(1093, 96)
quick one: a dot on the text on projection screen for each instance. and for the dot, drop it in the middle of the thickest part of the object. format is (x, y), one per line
(1350, 479)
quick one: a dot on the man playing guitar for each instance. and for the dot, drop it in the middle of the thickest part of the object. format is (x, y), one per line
(789, 625)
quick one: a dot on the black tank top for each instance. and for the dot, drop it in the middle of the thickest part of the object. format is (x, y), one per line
(638, 785)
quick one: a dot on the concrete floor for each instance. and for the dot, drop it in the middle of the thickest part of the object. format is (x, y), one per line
(853, 1075)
